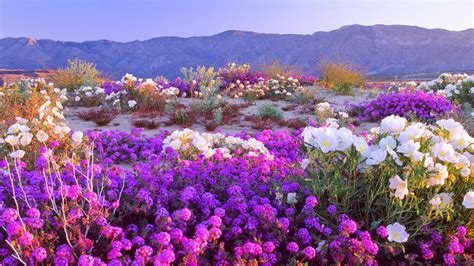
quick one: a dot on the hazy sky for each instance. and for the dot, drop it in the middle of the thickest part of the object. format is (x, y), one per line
(126, 20)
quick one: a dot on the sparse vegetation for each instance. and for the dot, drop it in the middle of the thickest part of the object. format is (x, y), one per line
(78, 73)
(275, 70)
(270, 111)
(145, 123)
(100, 117)
(340, 77)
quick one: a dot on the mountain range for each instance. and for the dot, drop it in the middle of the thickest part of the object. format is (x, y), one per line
(377, 50)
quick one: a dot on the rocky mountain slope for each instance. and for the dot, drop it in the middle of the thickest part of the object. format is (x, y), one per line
(377, 50)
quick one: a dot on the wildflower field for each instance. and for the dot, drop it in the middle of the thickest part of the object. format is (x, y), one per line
(236, 166)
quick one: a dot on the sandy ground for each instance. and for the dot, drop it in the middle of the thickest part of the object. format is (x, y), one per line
(123, 122)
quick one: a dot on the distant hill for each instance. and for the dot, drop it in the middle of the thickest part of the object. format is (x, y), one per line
(379, 50)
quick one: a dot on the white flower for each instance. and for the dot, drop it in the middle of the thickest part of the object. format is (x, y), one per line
(444, 151)
(77, 98)
(441, 201)
(326, 140)
(400, 186)
(468, 200)
(77, 136)
(393, 124)
(410, 150)
(450, 125)
(377, 156)
(388, 143)
(12, 140)
(412, 132)
(18, 154)
(460, 140)
(89, 94)
(345, 138)
(42, 136)
(323, 106)
(131, 103)
(361, 146)
(14, 129)
(208, 153)
(291, 198)
(343, 114)
(26, 139)
(175, 144)
(304, 163)
(397, 233)
(438, 176)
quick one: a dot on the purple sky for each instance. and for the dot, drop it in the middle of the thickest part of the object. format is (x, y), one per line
(127, 20)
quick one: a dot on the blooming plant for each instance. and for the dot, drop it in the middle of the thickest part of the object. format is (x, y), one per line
(410, 175)
(458, 88)
(328, 116)
(282, 87)
(191, 144)
(422, 105)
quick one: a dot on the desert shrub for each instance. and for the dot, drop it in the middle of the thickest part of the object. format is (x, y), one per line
(275, 69)
(209, 98)
(76, 74)
(296, 123)
(217, 115)
(100, 117)
(145, 123)
(418, 104)
(270, 111)
(200, 78)
(340, 77)
(180, 115)
(304, 96)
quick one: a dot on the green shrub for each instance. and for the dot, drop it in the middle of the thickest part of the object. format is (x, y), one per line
(217, 115)
(269, 111)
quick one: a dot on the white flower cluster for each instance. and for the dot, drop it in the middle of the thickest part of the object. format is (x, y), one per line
(447, 84)
(20, 135)
(283, 86)
(192, 143)
(85, 92)
(449, 149)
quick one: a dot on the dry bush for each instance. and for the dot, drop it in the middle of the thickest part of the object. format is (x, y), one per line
(275, 69)
(99, 117)
(77, 73)
(341, 77)
(144, 123)
(23, 99)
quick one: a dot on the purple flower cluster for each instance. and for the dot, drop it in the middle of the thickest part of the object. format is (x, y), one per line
(167, 210)
(406, 104)
(244, 74)
(117, 146)
(183, 87)
(111, 87)
(305, 80)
